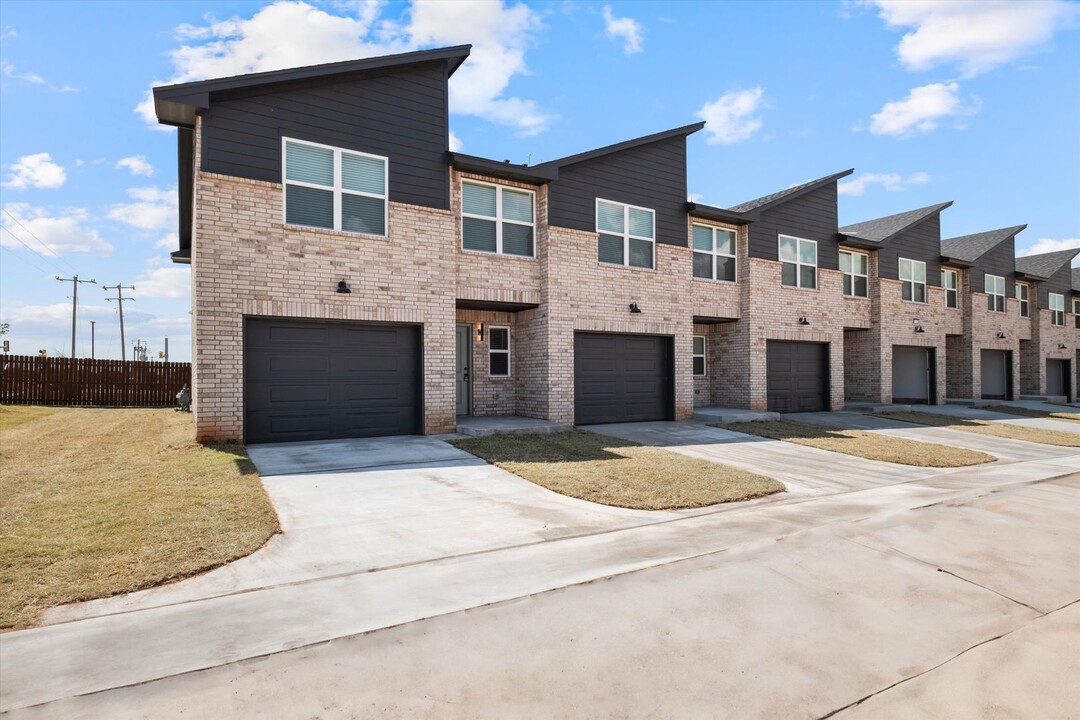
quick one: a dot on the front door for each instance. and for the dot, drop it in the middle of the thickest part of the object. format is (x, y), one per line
(464, 366)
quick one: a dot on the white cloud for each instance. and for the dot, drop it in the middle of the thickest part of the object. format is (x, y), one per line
(54, 314)
(455, 143)
(1046, 245)
(921, 111)
(62, 233)
(33, 78)
(166, 282)
(627, 29)
(891, 182)
(695, 197)
(35, 171)
(290, 33)
(169, 242)
(733, 117)
(976, 36)
(154, 209)
(136, 165)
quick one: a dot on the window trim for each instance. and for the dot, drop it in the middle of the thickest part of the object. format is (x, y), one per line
(492, 351)
(1024, 303)
(1076, 311)
(992, 295)
(337, 189)
(498, 219)
(1054, 314)
(714, 253)
(855, 274)
(912, 280)
(955, 289)
(799, 264)
(704, 353)
(626, 235)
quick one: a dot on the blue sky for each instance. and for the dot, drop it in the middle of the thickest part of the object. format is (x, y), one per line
(929, 101)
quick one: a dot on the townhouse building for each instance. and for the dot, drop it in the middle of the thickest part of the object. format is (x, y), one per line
(352, 277)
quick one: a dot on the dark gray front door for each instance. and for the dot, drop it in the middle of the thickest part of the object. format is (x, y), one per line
(798, 376)
(996, 374)
(464, 368)
(912, 369)
(1058, 381)
(317, 380)
(622, 378)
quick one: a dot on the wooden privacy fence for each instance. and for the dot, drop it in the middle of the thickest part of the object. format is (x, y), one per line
(30, 380)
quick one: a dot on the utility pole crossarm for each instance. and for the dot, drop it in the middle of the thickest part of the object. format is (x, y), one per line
(120, 299)
(74, 303)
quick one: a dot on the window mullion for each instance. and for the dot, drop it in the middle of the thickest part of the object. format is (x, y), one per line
(337, 190)
(626, 235)
(498, 221)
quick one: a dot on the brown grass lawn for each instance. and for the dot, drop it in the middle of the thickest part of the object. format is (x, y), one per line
(610, 471)
(869, 445)
(1034, 413)
(995, 429)
(104, 501)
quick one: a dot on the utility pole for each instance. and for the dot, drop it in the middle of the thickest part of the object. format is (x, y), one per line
(93, 324)
(166, 349)
(74, 303)
(120, 299)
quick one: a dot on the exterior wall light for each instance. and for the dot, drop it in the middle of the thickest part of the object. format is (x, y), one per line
(480, 332)
(343, 287)
(1001, 336)
(804, 321)
(634, 309)
(920, 329)
(1062, 346)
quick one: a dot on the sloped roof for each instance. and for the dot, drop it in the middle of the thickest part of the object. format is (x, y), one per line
(790, 194)
(882, 229)
(1045, 265)
(619, 147)
(970, 248)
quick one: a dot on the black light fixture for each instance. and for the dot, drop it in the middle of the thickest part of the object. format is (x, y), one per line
(634, 309)
(480, 332)
(920, 329)
(804, 321)
(1062, 346)
(1000, 336)
(343, 287)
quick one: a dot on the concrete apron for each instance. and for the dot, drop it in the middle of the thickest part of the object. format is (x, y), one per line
(86, 656)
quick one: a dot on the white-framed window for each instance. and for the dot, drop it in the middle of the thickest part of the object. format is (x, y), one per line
(1076, 311)
(856, 269)
(327, 187)
(498, 351)
(699, 355)
(1023, 292)
(995, 292)
(950, 279)
(913, 280)
(497, 219)
(798, 262)
(714, 253)
(627, 234)
(1057, 309)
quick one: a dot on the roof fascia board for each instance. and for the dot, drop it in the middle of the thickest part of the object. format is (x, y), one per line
(625, 145)
(809, 188)
(508, 171)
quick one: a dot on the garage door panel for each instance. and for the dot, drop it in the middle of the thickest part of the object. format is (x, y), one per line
(301, 335)
(277, 364)
(797, 376)
(995, 370)
(283, 394)
(622, 378)
(911, 374)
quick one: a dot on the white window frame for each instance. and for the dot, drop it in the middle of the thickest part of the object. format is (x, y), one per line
(626, 235)
(912, 280)
(704, 352)
(992, 297)
(714, 253)
(854, 274)
(498, 219)
(1056, 313)
(955, 289)
(492, 351)
(1076, 311)
(799, 264)
(337, 189)
(1024, 302)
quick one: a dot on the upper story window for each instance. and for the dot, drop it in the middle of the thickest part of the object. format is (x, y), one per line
(497, 219)
(798, 262)
(1076, 311)
(499, 351)
(327, 187)
(913, 280)
(856, 269)
(1022, 292)
(1057, 309)
(627, 234)
(699, 354)
(995, 293)
(950, 279)
(714, 253)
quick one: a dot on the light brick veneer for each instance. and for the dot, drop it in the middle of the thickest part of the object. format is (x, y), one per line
(1046, 344)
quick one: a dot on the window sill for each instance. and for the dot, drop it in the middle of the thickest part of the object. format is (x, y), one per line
(618, 266)
(331, 231)
(715, 280)
(485, 253)
(857, 297)
(801, 289)
(921, 303)
(499, 377)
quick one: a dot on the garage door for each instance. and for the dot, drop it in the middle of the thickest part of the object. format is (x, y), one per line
(622, 378)
(996, 374)
(1058, 382)
(798, 376)
(912, 368)
(308, 380)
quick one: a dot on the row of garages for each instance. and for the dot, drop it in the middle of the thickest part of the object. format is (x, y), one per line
(307, 380)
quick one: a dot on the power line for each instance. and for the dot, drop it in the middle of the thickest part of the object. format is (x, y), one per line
(119, 300)
(25, 260)
(74, 303)
(56, 267)
(42, 242)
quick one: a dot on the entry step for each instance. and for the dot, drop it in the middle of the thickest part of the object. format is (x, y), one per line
(475, 426)
(1052, 399)
(732, 415)
(870, 408)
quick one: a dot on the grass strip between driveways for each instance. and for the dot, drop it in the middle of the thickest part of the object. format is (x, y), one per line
(104, 501)
(1033, 413)
(610, 471)
(860, 443)
(1061, 438)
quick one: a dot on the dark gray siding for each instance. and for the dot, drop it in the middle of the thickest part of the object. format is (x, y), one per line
(1061, 283)
(811, 216)
(651, 176)
(919, 242)
(398, 113)
(999, 260)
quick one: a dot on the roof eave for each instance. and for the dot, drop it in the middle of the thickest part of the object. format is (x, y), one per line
(809, 188)
(708, 212)
(625, 145)
(956, 262)
(858, 242)
(503, 170)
